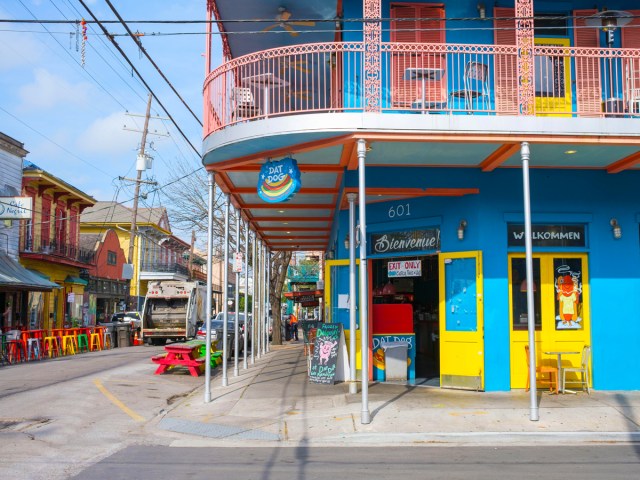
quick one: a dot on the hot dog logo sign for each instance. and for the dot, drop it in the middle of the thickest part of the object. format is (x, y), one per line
(279, 181)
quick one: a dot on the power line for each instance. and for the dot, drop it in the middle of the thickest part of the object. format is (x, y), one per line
(144, 51)
(115, 44)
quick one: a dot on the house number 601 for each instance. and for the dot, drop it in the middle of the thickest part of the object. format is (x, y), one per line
(400, 211)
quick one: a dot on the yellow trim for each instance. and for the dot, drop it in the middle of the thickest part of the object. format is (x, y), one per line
(557, 106)
(548, 338)
(327, 283)
(462, 353)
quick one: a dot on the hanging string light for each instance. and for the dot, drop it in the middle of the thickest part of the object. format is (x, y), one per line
(84, 41)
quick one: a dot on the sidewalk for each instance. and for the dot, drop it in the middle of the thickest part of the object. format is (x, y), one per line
(273, 402)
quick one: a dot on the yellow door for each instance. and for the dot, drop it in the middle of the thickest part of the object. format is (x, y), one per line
(561, 301)
(461, 321)
(552, 77)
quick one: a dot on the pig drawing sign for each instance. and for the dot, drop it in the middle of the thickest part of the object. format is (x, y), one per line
(329, 361)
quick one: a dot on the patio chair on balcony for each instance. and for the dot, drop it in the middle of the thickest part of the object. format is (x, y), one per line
(475, 83)
(244, 103)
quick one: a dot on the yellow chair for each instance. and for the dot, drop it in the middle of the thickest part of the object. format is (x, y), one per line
(51, 347)
(583, 370)
(552, 371)
(94, 342)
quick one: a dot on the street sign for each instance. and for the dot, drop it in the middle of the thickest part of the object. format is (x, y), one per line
(237, 264)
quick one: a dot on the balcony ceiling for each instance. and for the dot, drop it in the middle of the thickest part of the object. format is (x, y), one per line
(325, 160)
(241, 42)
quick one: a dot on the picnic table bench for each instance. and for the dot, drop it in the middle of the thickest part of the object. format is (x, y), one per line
(186, 354)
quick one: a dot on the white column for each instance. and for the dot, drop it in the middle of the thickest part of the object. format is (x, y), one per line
(353, 387)
(225, 293)
(364, 295)
(246, 295)
(531, 320)
(236, 328)
(207, 370)
(254, 309)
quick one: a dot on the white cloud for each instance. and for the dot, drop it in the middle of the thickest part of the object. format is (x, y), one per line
(105, 136)
(49, 90)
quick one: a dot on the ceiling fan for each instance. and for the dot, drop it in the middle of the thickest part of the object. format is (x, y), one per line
(282, 20)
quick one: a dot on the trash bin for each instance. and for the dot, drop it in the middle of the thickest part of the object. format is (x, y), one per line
(124, 335)
(395, 360)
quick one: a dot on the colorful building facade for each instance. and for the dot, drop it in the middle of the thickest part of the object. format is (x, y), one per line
(442, 122)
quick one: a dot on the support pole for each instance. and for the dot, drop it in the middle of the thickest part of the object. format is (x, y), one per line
(353, 386)
(247, 323)
(207, 368)
(364, 296)
(254, 305)
(268, 303)
(225, 293)
(258, 288)
(531, 319)
(236, 326)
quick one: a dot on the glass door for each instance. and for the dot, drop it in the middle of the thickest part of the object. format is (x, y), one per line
(561, 300)
(461, 321)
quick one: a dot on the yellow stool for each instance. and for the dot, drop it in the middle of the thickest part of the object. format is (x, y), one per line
(69, 345)
(51, 347)
(94, 342)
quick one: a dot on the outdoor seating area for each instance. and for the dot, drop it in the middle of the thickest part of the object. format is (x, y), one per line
(190, 355)
(17, 346)
(555, 376)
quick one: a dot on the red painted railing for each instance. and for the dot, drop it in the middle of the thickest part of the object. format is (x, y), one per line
(422, 78)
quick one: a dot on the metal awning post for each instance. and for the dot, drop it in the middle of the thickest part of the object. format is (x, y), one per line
(254, 308)
(531, 319)
(236, 326)
(364, 307)
(209, 302)
(247, 324)
(268, 303)
(258, 299)
(225, 292)
(353, 386)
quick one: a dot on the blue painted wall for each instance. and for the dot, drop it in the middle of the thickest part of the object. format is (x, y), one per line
(557, 196)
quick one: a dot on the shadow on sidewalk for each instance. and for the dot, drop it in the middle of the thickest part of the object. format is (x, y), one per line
(623, 406)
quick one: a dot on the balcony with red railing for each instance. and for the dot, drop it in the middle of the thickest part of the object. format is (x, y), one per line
(418, 78)
(56, 252)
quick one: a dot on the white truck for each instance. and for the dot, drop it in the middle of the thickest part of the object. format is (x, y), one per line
(172, 311)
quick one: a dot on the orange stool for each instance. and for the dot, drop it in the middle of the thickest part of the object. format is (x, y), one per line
(51, 347)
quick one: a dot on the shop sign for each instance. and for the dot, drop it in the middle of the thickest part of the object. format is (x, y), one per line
(310, 304)
(407, 241)
(547, 235)
(304, 298)
(15, 208)
(279, 181)
(404, 268)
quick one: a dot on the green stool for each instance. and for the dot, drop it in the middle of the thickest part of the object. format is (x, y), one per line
(83, 343)
(216, 359)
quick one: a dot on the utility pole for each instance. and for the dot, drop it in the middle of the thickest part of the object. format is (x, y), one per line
(193, 243)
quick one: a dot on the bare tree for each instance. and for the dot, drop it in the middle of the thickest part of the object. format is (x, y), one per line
(279, 264)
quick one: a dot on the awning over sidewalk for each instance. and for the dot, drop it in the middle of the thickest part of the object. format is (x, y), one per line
(14, 276)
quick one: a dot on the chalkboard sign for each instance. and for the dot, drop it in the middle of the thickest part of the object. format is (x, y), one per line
(329, 355)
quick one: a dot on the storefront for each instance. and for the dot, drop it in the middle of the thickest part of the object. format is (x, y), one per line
(446, 275)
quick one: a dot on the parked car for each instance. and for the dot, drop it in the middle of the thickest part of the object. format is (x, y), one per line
(132, 318)
(217, 326)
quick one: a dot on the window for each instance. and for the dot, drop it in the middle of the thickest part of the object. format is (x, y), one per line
(549, 79)
(519, 290)
(112, 258)
(550, 24)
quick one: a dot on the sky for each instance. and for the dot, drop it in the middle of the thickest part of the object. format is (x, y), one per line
(72, 118)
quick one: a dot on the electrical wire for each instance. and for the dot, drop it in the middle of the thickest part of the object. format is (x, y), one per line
(146, 54)
(115, 44)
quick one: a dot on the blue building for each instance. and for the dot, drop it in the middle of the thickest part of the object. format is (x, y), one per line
(430, 110)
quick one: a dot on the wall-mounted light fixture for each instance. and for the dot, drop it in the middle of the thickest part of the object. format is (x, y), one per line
(461, 229)
(346, 239)
(482, 11)
(617, 229)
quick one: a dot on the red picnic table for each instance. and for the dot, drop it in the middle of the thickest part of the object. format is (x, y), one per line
(185, 354)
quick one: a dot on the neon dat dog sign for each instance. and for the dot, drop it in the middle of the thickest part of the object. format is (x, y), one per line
(279, 181)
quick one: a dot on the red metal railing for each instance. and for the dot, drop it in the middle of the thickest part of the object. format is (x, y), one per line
(422, 78)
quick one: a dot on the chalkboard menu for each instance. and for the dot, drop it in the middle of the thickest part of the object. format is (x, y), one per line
(328, 355)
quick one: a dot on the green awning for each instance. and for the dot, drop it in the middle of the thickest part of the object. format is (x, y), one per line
(14, 276)
(76, 280)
